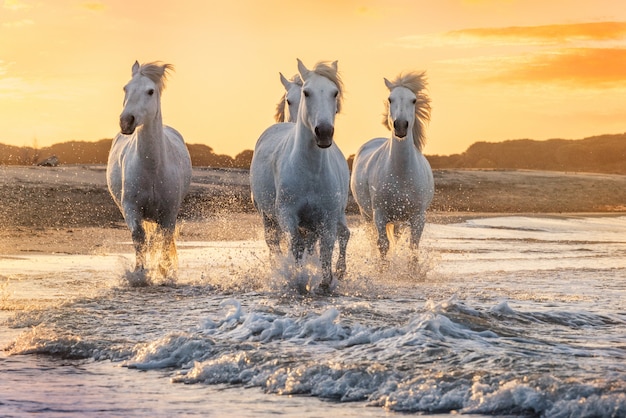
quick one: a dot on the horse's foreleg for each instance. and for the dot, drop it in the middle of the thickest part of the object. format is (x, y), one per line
(343, 234)
(327, 243)
(310, 238)
(381, 228)
(417, 227)
(138, 234)
(169, 258)
(297, 245)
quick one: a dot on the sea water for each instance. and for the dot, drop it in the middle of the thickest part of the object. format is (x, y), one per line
(504, 316)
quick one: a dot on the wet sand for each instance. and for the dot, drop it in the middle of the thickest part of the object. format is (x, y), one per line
(68, 209)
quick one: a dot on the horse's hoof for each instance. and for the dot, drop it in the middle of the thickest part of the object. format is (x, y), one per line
(326, 289)
(323, 290)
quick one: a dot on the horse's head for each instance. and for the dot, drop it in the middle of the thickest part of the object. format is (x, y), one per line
(287, 108)
(142, 95)
(408, 107)
(401, 115)
(320, 101)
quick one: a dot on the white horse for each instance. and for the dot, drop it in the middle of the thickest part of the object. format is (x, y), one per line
(149, 169)
(287, 107)
(300, 179)
(392, 181)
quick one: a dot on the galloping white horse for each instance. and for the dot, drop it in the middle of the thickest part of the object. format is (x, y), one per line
(290, 100)
(391, 180)
(300, 179)
(149, 169)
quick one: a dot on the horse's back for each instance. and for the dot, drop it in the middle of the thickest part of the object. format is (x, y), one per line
(180, 157)
(343, 172)
(366, 152)
(114, 174)
(267, 150)
(361, 168)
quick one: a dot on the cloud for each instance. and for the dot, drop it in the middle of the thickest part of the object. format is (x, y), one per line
(94, 6)
(18, 23)
(545, 34)
(589, 55)
(521, 35)
(581, 67)
(15, 5)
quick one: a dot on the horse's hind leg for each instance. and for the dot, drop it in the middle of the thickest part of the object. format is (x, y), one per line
(272, 234)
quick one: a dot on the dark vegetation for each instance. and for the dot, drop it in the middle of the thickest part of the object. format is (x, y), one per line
(599, 154)
(84, 152)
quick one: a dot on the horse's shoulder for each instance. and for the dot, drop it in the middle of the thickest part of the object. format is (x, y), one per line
(173, 133)
(339, 157)
(274, 136)
(120, 138)
(370, 147)
(277, 130)
(119, 144)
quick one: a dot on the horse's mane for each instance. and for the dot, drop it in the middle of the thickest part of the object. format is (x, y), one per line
(416, 82)
(157, 72)
(280, 107)
(326, 69)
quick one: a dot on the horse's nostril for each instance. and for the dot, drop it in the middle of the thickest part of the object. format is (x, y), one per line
(401, 124)
(324, 131)
(127, 123)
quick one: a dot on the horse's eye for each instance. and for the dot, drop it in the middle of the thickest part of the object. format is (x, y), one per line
(389, 100)
(150, 92)
(414, 101)
(306, 93)
(288, 102)
(336, 93)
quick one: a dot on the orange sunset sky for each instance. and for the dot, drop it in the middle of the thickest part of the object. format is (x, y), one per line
(498, 69)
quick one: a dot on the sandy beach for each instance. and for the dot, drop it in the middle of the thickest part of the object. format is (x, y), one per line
(68, 209)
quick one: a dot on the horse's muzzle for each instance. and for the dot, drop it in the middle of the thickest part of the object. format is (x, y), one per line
(324, 135)
(400, 128)
(127, 124)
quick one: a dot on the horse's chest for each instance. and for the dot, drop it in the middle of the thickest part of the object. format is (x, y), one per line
(398, 199)
(151, 198)
(311, 205)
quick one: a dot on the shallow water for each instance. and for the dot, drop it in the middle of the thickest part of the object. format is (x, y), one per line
(509, 316)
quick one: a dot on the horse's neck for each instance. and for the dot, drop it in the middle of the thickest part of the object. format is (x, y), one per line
(150, 140)
(305, 149)
(402, 152)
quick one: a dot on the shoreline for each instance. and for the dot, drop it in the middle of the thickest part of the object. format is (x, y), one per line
(116, 238)
(68, 209)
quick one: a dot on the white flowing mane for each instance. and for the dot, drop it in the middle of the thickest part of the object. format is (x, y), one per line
(156, 72)
(416, 82)
(280, 107)
(326, 69)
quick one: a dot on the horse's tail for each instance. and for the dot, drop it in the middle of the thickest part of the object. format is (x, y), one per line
(391, 235)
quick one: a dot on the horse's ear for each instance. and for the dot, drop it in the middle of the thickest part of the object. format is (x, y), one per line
(334, 65)
(284, 81)
(304, 72)
(388, 84)
(135, 67)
